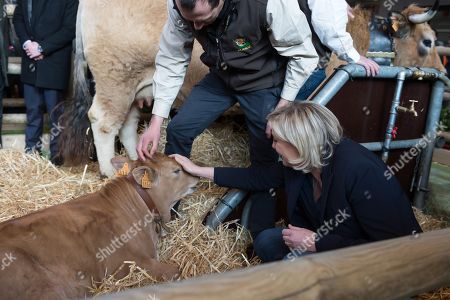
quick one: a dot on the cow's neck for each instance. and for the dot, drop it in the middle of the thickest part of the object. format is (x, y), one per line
(143, 194)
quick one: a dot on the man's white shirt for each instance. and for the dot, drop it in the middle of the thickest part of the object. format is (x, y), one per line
(289, 34)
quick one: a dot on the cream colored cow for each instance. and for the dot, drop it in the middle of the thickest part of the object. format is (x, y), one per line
(119, 40)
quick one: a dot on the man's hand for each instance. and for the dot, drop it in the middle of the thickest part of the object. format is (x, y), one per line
(296, 237)
(281, 103)
(32, 50)
(150, 136)
(372, 68)
(350, 13)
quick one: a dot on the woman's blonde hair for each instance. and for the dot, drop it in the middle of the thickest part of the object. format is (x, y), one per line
(311, 128)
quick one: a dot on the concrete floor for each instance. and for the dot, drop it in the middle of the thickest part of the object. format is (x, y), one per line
(17, 141)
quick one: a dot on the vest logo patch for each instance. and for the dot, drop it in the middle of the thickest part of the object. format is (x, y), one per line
(242, 44)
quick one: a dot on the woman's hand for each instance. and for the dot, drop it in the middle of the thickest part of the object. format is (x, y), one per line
(299, 238)
(186, 163)
(192, 168)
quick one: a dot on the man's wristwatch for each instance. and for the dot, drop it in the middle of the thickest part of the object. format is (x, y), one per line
(39, 48)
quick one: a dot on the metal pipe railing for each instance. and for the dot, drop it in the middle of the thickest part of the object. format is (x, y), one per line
(332, 87)
(401, 77)
(431, 129)
(344, 73)
(403, 144)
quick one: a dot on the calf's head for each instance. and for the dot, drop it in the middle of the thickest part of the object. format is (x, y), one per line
(414, 37)
(162, 178)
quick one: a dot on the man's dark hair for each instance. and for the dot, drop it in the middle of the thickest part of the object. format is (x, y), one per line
(190, 4)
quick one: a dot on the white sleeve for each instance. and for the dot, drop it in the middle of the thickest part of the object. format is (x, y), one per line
(171, 61)
(329, 20)
(290, 35)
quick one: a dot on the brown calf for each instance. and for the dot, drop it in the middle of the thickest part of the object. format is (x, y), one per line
(56, 252)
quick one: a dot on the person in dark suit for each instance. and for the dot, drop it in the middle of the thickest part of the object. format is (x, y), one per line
(337, 191)
(46, 29)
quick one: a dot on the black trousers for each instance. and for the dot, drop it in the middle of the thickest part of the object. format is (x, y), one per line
(208, 100)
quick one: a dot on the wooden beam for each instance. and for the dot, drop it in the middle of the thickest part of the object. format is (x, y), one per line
(441, 156)
(391, 269)
(446, 96)
(13, 102)
(441, 50)
(14, 118)
(445, 135)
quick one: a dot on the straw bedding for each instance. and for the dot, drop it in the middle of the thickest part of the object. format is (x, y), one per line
(29, 183)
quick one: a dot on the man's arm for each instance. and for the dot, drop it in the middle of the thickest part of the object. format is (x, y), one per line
(291, 37)
(19, 24)
(65, 34)
(329, 19)
(172, 60)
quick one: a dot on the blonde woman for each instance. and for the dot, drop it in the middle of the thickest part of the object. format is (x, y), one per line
(337, 194)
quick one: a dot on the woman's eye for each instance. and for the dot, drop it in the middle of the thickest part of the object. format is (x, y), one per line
(177, 171)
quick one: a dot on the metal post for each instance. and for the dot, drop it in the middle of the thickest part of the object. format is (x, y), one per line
(403, 144)
(393, 115)
(431, 128)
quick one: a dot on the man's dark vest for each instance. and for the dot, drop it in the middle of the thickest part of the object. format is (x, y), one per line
(322, 50)
(237, 47)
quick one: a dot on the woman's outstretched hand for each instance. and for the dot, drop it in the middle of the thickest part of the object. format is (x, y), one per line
(192, 168)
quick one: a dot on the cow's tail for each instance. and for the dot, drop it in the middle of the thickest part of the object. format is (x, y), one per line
(76, 141)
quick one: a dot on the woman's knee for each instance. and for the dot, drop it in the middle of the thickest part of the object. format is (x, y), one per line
(269, 245)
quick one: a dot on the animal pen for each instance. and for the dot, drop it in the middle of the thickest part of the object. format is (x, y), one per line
(377, 113)
(357, 272)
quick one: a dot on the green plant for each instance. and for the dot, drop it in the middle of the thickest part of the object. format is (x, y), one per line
(445, 118)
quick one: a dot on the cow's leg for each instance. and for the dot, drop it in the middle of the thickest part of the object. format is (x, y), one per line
(128, 133)
(104, 132)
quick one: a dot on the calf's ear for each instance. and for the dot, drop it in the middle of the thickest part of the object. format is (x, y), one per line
(399, 25)
(144, 176)
(122, 165)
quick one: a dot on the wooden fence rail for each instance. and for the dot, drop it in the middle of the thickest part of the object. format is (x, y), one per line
(391, 269)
